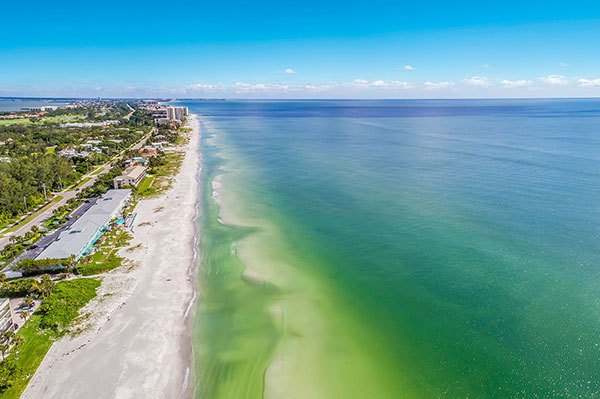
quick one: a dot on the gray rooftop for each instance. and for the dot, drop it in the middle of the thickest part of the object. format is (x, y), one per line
(75, 238)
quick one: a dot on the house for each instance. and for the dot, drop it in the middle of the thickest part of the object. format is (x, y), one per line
(149, 152)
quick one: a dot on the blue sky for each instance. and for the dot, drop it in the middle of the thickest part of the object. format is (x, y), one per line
(308, 49)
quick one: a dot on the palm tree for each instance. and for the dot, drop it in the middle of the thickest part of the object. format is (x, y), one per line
(70, 263)
(28, 301)
(17, 341)
(25, 314)
(7, 336)
(3, 349)
(46, 285)
(42, 288)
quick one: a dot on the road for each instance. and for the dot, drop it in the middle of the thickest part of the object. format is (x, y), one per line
(69, 193)
(131, 113)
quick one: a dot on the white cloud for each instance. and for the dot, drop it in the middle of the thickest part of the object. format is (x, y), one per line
(438, 85)
(289, 71)
(409, 67)
(486, 66)
(379, 84)
(589, 82)
(555, 80)
(478, 81)
(564, 65)
(317, 87)
(403, 85)
(202, 87)
(242, 87)
(516, 84)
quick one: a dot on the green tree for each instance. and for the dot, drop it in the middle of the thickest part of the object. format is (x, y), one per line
(17, 341)
(25, 315)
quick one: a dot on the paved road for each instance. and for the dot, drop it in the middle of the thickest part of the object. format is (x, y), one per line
(42, 217)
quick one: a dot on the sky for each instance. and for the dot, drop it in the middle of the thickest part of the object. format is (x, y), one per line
(308, 49)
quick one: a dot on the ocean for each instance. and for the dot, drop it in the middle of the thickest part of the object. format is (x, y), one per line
(399, 249)
(8, 104)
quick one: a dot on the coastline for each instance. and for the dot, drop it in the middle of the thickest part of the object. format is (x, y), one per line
(265, 313)
(136, 339)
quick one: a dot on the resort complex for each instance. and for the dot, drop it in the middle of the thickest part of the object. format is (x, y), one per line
(79, 239)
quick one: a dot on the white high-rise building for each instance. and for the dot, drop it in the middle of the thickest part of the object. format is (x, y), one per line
(177, 113)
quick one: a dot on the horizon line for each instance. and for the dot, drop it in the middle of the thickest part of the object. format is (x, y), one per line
(293, 99)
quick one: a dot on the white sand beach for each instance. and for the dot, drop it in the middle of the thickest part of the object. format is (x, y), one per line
(137, 342)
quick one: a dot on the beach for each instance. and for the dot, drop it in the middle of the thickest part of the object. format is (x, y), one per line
(136, 335)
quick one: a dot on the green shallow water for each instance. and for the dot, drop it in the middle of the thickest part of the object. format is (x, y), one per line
(451, 254)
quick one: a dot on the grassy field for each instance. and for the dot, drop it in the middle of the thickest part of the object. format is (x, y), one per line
(97, 171)
(145, 188)
(22, 121)
(45, 119)
(105, 256)
(48, 323)
(82, 182)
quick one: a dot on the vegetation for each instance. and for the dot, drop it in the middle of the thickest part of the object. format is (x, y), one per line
(17, 288)
(31, 166)
(145, 189)
(58, 311)
(62, 306)
(23, 182)
(103, 183)
(18, 244)
(162, 171)
(105, 256)
(31, 267)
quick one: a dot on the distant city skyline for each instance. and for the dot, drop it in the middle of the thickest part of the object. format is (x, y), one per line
(270, 50)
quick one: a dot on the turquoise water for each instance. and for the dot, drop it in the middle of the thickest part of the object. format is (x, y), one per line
(386, 249)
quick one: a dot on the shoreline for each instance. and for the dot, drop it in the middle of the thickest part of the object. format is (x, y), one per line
(137, 333)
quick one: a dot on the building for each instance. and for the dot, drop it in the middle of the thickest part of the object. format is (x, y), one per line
(90, 124)
(130, 177)
(176, 113)
(159, 115)
(149, 152)
(79, 239)
(43, 108)
(6, 322)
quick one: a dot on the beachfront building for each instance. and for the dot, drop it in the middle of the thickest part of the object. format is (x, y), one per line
(130, 177)
(6, 322)
(177, 113)
(79, 239)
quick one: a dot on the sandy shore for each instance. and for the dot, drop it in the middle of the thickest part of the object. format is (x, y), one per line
(137, 342)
